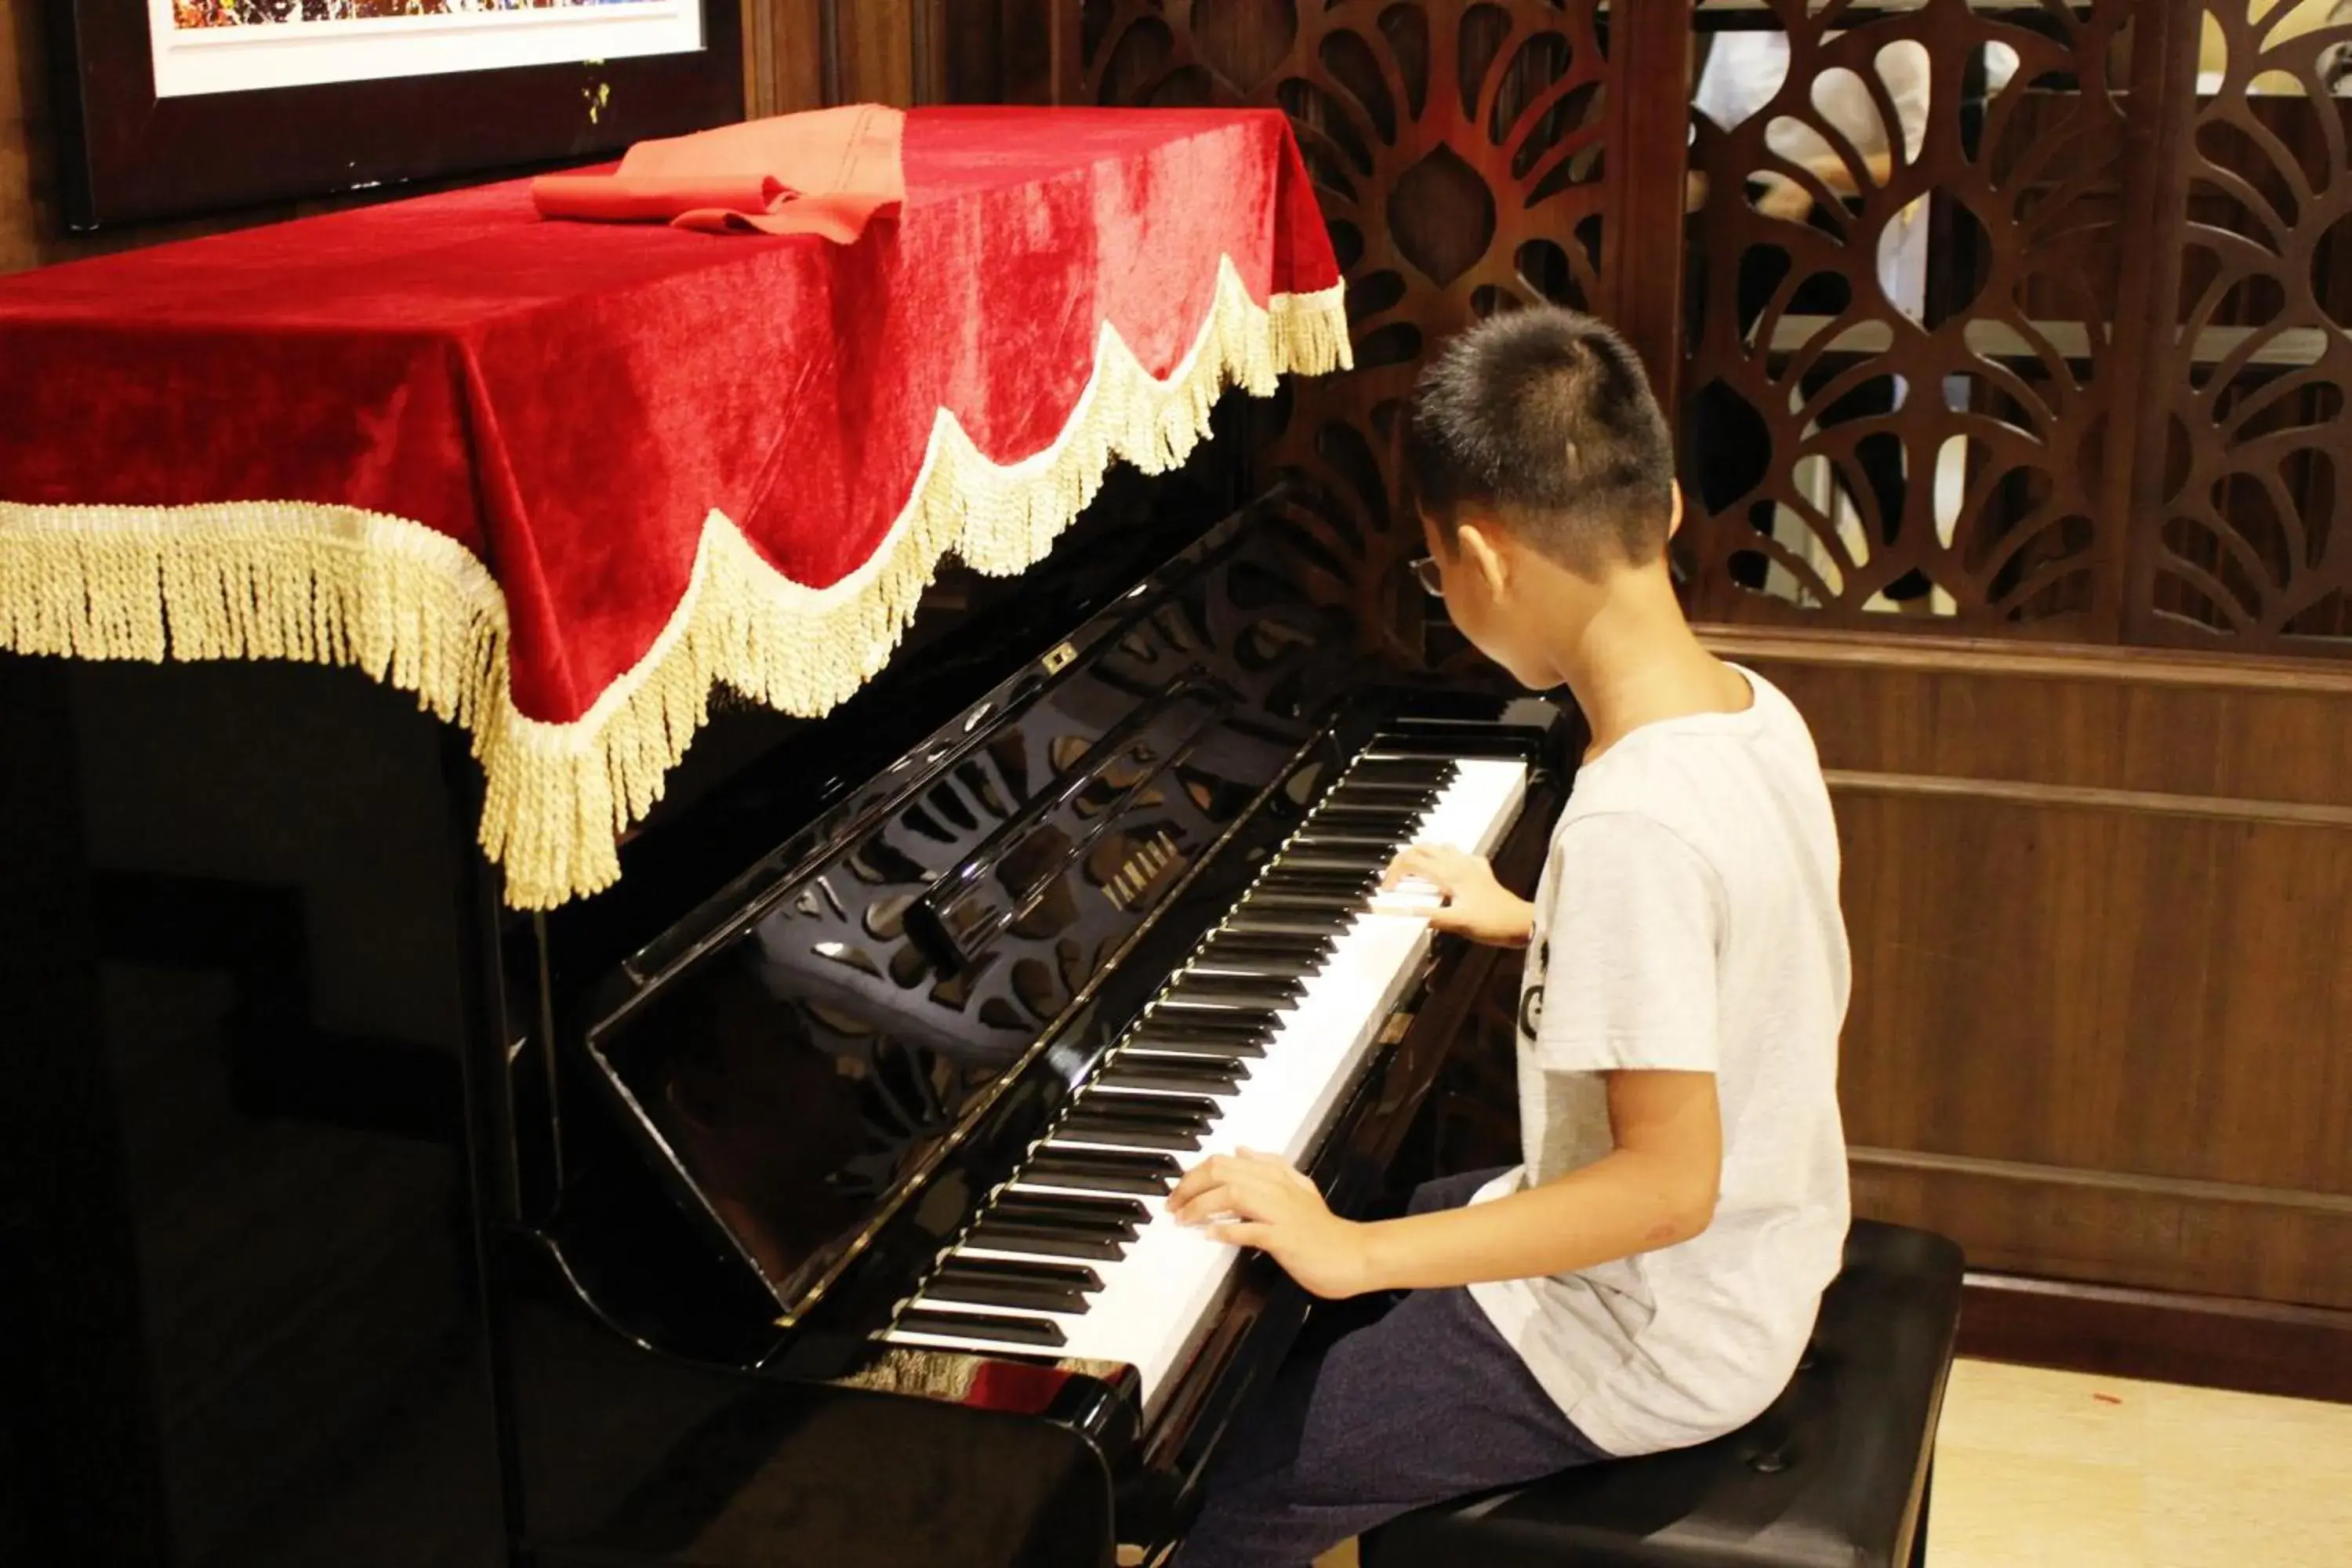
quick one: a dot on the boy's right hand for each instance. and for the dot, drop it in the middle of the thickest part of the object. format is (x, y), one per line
(1476, 905)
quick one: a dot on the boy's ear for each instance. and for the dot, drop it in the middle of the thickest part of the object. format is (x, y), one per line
(1482, 552)
(1674, 518)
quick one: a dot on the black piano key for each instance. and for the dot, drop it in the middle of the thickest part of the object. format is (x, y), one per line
(1236, 1017)
(1379, 829)
(1211, 1074)
(1015, 1209)
(1058, 1241)
(1339, 838)
(1296, 922)
(1256, 969)
(1011, 1330)
(1250, 1026)
(1127, 1135)
(1419, 797)
(1284, 875)
(1131, 1132)
(1149, 1107)
(1103, 1170)
(1116, 1122)
(1207, 1024)
(1229, 1021)
(1018, 1210)
(1196, 990)
(1406, 801)
(1226, 965)
(1228, 936)
(1187, 1043)
(1075, 1277)
(1108, 1211)
(1270, 990)
(1366, 813)
(1354, 881)
(1269, 892)
(1202, 1033)
(1239, 944)
(1283, 899)
(1387, 754)
(1354, 860)
(952, 1285)
(1437, 770)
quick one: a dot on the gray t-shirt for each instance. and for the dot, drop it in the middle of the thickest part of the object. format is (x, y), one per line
(1688, 920)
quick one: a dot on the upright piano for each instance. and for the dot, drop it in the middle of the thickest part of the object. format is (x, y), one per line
(837, 1233)
(796, 1200)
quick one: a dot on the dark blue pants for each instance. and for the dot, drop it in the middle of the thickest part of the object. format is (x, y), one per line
(1424, 1403)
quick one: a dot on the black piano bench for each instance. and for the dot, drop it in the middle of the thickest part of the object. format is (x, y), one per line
(1834, 1475)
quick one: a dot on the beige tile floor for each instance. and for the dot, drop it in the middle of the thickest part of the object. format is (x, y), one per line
(2050, 1470)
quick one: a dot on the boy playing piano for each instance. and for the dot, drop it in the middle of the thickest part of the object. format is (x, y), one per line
(1648, 1278)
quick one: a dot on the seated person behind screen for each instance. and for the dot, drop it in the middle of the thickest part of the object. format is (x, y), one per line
(1648, 1278)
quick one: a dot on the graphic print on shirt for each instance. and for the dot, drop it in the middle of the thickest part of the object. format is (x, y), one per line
(1531, 991)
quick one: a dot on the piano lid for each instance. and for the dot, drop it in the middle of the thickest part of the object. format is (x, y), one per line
(797, 1060)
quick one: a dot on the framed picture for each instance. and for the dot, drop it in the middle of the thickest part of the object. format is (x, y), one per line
(170, 108)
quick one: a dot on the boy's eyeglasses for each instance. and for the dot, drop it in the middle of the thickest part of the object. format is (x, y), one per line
(1432, 583)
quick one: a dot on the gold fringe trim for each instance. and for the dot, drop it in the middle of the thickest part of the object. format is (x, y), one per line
(412, 609)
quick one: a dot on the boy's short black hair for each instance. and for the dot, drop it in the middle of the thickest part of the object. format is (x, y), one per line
(1543, 418)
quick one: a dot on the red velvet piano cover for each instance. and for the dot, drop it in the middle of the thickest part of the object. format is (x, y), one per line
(558, 478)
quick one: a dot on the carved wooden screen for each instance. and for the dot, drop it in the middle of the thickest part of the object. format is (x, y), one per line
(2066, 360)
(1904, 368)
(2021, 317)
(2243, 537)
(1465, 155)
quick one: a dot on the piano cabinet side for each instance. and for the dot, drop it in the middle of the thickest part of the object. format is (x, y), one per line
(82, 1472)
(242, 941)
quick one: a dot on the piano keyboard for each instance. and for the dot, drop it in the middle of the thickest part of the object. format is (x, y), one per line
(1253, 1043)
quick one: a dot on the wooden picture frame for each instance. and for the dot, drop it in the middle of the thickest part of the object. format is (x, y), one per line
(130, 154)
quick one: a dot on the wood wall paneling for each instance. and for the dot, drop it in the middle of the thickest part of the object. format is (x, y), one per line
(23, 148)
(784, 55)
(2102, 1025)
(2259, 1347)
(805, 54)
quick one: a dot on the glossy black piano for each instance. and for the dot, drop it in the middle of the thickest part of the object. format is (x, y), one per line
(779, 1206)
(839, 1237)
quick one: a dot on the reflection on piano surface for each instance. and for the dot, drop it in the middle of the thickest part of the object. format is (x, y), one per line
(851, 1250)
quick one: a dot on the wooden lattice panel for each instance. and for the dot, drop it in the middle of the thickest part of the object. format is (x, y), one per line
(2243, 541)
(1935, 440)
(1458, 153)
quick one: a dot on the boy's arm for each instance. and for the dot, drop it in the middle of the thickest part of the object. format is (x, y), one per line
(1625, 989)
(1657, 1188)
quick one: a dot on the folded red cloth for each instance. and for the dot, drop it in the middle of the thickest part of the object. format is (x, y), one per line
(825, 173)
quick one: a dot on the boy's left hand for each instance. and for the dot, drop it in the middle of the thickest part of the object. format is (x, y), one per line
(1278, 1211)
